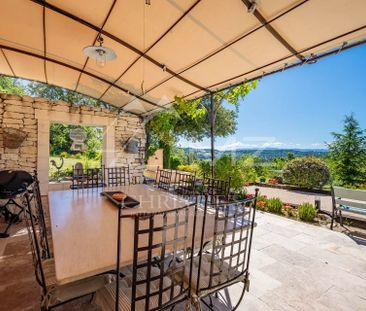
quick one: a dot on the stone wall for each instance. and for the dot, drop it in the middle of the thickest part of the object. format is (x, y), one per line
(20, 112)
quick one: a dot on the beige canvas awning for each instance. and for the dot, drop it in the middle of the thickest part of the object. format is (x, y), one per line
(171, 47)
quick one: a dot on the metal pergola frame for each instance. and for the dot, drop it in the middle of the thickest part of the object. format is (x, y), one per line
(247, 4)
(305, 61)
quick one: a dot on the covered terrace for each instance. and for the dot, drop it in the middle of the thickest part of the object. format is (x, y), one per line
(135, 57)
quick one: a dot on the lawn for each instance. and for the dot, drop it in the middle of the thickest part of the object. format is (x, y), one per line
(70, 162)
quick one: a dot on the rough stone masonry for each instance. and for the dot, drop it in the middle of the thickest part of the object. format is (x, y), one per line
(19, 112)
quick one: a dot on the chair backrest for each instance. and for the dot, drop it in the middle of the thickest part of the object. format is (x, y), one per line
(226, 260)
(35, 241)
(216, 189)
(349, 197)
(117, 176)
(40, 217)
(163, 179)
(184, 183)
(78, 169)
(163, 243)
(87, 178)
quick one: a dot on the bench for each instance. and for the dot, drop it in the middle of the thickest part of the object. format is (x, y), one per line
(347, 200)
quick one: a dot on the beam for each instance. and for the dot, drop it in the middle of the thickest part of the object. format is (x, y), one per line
(7, 61)
(155, 43)
(95, 40)
(273, 31)
(297, 64)
(44, 42)
(78, 70)
(42, 82)
(113, 37)
(230, 44)
(302, 61)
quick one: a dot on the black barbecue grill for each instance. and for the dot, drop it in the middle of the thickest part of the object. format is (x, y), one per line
(12, 184)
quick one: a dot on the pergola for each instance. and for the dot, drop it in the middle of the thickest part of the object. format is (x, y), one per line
(170, 48)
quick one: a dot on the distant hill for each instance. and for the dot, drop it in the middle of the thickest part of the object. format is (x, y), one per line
(266, 154)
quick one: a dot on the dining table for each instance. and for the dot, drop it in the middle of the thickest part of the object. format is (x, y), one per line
(84, 227)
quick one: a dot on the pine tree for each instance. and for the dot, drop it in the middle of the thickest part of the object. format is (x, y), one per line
(348, 154)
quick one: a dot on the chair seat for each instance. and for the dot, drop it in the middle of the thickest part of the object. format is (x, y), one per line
(62, 293)
(105, 297)
(213, 273)
(67, 292)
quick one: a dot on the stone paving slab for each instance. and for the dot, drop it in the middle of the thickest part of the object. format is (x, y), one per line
(295, 197)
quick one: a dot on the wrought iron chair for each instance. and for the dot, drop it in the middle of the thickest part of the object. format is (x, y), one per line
(87, 178)
(226, 261)
(53, 295)
(117, 176)
(216, 190)
(163, 179)
(163, 245)
(184, 184)
(40, 219)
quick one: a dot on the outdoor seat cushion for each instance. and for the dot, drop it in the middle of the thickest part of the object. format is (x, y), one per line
(105, 297)
(62, 293)
(221, 273)
(352, 209)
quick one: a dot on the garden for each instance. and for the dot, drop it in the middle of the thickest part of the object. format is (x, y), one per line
(344, 164)
(71, 144)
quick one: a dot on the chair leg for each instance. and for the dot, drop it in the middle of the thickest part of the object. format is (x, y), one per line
(188, 306)
(92, 298)
(207, 305)
(197, 304)
(331, 224)
(341, 218)
(211, 302)
(240, 299)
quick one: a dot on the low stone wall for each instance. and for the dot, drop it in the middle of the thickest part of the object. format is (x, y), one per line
(21, 112)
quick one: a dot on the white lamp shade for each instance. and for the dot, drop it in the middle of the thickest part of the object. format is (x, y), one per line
(94, 52)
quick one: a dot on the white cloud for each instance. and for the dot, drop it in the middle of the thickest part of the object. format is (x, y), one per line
(318, 145)
(250, 143)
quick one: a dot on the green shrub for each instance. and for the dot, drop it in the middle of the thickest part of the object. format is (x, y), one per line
(78, 156)
(204, 168)
(274, 205)
(227, 167)
(193, 168)
(174, 162)
(64, 154)
(307, 212)
(306, 172)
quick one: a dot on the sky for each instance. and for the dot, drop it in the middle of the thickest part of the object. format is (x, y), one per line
(299, 108)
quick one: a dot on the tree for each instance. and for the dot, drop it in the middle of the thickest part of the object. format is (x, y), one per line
(56, 93)
(10, 86)
(205, 117)
(160, 133)
(60, 140)
(290, 156)
(348, 154)
(214, 118)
